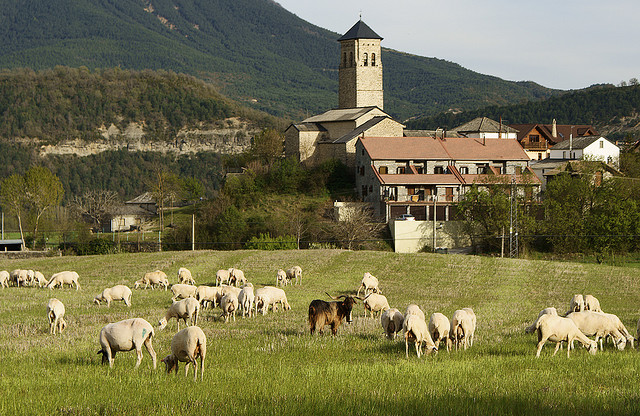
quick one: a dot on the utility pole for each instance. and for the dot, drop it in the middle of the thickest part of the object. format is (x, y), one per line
(513, 220)
(435, 198)
(193, 232)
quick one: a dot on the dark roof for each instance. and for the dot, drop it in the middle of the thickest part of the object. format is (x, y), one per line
(577, 142)
(308, 127)
(360, 31)
(564, 131)
(145, 198)
(485, 125)
(360, 129)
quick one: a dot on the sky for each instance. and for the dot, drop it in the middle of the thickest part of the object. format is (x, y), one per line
(562, 44)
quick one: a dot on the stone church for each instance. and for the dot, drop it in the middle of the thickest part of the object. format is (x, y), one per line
(360, 112)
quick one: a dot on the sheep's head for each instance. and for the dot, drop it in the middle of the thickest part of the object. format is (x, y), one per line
(62, 324)
(170, 362)
(593, 347)
(97, 299)
(162, 323)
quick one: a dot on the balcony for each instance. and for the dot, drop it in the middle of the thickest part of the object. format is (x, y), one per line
(422, 199)
(535, 146)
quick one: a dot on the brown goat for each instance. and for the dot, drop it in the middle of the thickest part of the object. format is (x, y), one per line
(322, 313)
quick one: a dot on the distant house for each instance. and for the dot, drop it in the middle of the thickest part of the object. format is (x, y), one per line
(332, 134)
(146, 201)
(126, 217)
(587, 148)
(412, 175)
(548, 169)
(485, 128)
(537, 139)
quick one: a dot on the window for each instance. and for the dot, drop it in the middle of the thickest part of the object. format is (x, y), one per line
(364, 190)
(518, 170)
(534, 138)
(400, 170)
(383, 170)
(373, 59)
(481, 170)
(350, 58)
(419, 169)
(601, 144)
(365, 59)
(438, 170)
(361, 170)
(344, 59)
(464, 170)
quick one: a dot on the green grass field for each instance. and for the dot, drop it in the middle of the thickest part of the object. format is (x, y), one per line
(271, 365)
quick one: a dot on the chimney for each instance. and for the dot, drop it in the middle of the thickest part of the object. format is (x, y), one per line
(554, 129)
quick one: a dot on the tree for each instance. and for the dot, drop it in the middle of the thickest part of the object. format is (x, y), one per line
(165, 186)
(13, 197)
(95, 204)
(43, 191)
(357, 226)
(268, 146)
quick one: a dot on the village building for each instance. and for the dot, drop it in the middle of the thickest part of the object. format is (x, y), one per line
(538, 139)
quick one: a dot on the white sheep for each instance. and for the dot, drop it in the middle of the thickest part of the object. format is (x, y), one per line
(118, 292)
(391, 320)
(576, 304)
(230, 289)
(416, 331)
(4, 278)
(209, 294)
(246, 299)
(184, 276)
(558, 329)
(153, 279)
(187, 346)
(64, 278)
(375, 302)
(294, 273)
(182, 291)
(39, 279)
(229, 306)
(599, 326)
(183, 309)
(369, 283)
(270, 296)
(439, 327)
(414, 310)
(55, 314)
(462, 328)
(19, 277)
(126, 335)
(281, 278)
(223, 276)
(31, 275)
(620, 327)
(591, 303)
(472, 333)
(236, 277)
(546, 311)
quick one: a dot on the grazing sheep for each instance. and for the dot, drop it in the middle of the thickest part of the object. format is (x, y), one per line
(472, 333)
(462, 328)
(4, 278)
(416, 331)
(598, 325)
(186, 346)
(591, 303)
(281, 278)
(414, 310)
(294, 273)
(181, 291)
(55, 314)
(620, 327)
(375, 302)
(118, 292)
(223, 276)
(370, 284)
(30, 278)
(183, 309)
(391, 320)
(209, 294)
(229, 306)
(236, 277)
(558, 329)
(155, 278)
(19, 277)
(125, 336)
(439, 327)
(39, 279)
(246, 300)
(184, 276)
(64, 278)
(230, 289)
(270, 296)
(576, 304)
(546, 311)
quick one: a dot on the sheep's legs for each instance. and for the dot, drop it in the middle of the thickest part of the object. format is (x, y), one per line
(149, 346)
(558, 344)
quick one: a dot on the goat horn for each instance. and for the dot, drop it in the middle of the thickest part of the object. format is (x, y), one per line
(334, 298)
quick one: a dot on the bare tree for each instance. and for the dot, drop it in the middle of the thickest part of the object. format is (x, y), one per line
(14, 198)
(43, 191)
(356, 225)
(165, 186)
(96, 204)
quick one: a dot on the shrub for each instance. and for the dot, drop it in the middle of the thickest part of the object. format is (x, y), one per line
(266, 242)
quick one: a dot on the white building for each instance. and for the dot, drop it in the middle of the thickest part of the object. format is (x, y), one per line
(596, 148)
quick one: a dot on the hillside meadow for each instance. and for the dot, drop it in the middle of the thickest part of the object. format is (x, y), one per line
(271, 365)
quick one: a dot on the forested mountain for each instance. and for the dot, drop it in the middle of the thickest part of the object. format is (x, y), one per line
(254, 51)
(614, 111)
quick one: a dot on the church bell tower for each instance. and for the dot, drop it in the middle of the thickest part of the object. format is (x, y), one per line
(360, 68)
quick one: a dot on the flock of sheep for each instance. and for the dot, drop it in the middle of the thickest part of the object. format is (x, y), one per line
(584, 318)
(234, 293)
